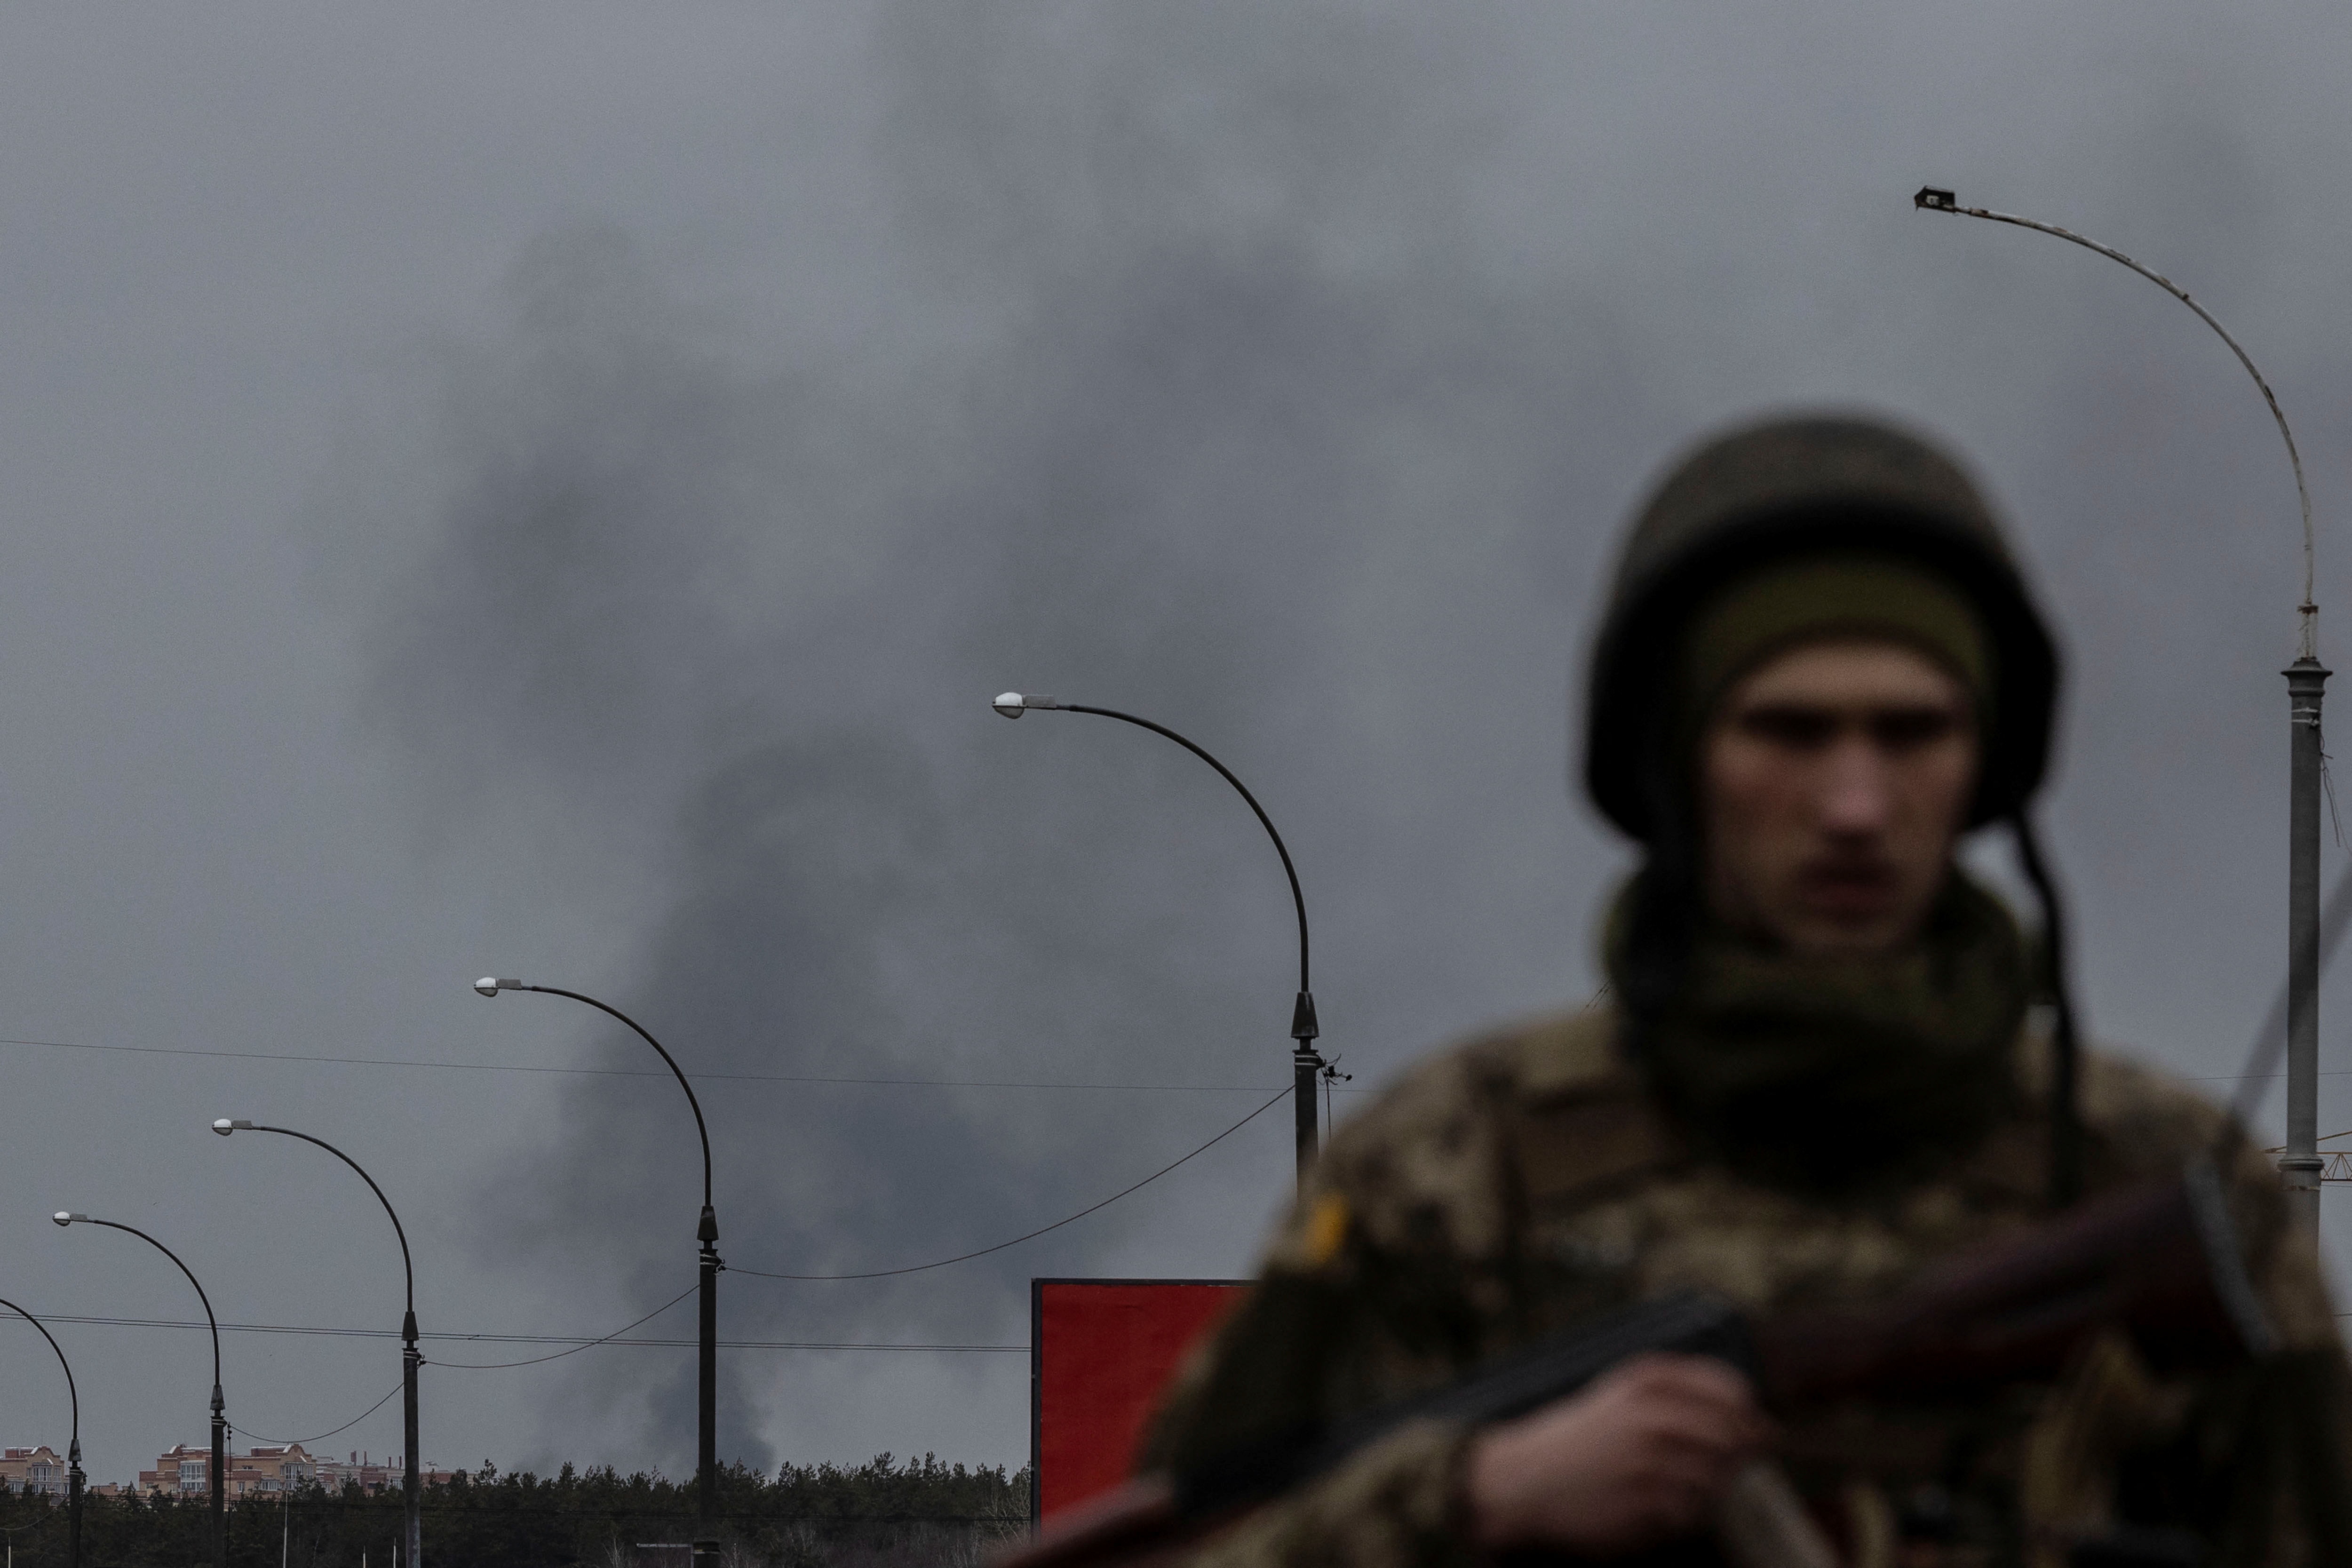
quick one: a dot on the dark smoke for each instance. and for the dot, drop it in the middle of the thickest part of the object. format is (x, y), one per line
(1283, 376)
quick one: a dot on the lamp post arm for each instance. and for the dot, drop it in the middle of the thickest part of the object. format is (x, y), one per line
(699, 1126)
(1297, 898)
(408, 1268)
(209, 1318)
(71, 1392)
(1943, 200)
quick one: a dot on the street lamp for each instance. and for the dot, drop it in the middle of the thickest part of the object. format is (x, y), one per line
(706, 1548)
(410, 1358)
(220, 1420)
(2299, 1167)
(73, 1450)
(1305, 1062)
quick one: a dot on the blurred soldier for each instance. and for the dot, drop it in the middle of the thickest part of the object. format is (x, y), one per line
(1811, 1074)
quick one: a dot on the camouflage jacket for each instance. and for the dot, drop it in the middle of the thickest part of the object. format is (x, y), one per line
(1517, 1183)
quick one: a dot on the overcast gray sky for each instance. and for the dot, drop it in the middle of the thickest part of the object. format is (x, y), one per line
(550, 489)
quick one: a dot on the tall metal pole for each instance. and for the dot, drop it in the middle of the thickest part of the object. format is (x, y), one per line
(2299, 1166)
(706, 1391)
(220, 1418)
(706, 1233)
(73, 1448)
(411, 1358)
(411, 1484)
(1306, 1063)
(220, 1481)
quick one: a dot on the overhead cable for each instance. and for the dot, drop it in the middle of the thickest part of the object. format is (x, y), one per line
(575, 1350)
(574, 1346)
(966, 1257)
(288, 1442)
(643, 1072)
(577, 1340)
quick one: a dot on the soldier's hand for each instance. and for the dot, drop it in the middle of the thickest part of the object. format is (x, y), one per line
(1643, 1455)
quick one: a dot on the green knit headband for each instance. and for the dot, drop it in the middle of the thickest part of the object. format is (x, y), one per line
(1798, 601)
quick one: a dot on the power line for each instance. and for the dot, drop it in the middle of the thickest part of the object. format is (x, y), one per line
(575, 1341)
(574, 1346)
(334, 1332)
(309, 1059)
(575, 1350)
(968, 1256)
(638, 1072)
(615, 1337)
(331, 1431)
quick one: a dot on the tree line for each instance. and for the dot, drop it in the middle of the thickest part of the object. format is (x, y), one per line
(880, 1514)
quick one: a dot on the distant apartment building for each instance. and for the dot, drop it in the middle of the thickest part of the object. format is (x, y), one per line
(386, 1474)
(272, 1471)
(185, 1470)
(284, 1468)
(359, 1470)
(181, 1472)
(33, 1470)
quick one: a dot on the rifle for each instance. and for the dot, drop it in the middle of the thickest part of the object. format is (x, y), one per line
(2159, 1263)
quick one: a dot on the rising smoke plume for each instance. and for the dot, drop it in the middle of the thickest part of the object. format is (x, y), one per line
(1280, 374)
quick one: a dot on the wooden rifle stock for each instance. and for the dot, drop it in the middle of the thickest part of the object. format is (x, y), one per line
(2160, 1263)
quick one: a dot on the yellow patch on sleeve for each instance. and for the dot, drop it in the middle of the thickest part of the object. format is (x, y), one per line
(1326, 1229)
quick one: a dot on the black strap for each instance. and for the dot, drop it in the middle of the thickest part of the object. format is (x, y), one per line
(2065, 1057)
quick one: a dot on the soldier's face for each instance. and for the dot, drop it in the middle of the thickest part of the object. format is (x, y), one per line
(1833, 780)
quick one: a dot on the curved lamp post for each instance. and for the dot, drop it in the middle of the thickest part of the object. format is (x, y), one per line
(220, 1420)
(706, 1548)
(410, 1358)
(73, 1450)
(1305, 1061)
(2299, 1168)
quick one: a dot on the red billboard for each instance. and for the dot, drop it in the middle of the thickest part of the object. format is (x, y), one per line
(1099, 1352)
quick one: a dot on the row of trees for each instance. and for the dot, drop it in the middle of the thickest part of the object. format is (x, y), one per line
(880, 1514)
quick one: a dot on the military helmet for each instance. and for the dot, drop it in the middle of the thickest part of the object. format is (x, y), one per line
(1788, 487)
